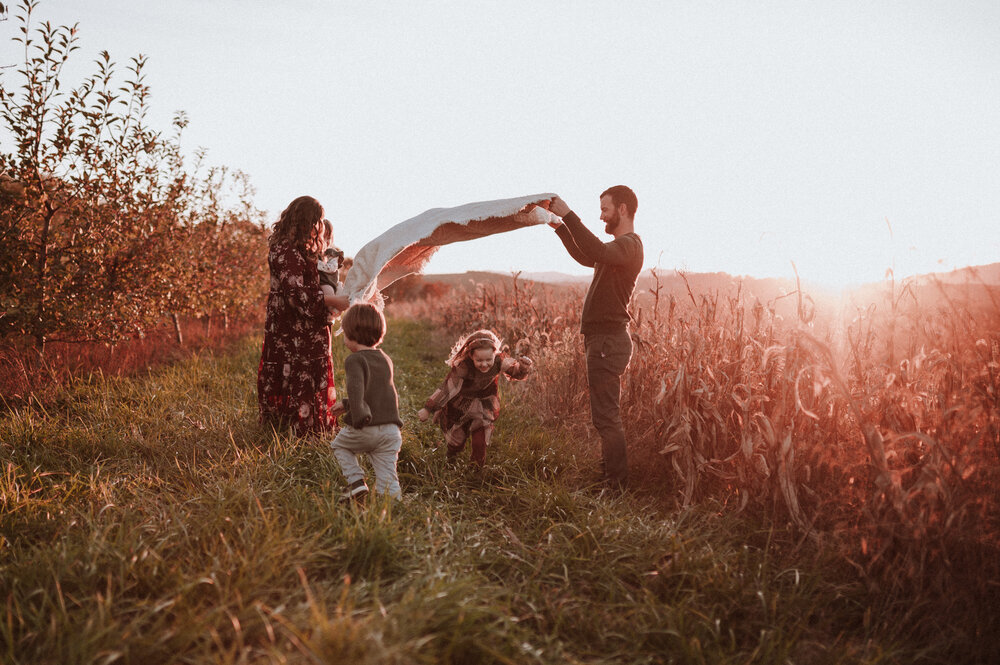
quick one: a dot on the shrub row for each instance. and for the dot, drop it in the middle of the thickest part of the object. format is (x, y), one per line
(105, 231)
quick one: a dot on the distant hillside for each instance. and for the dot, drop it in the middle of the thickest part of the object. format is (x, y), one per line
(966, 288)
(555, 277)
(700, 282)
(667, 283)
(469, 280)
(670, 282)
(987, 274)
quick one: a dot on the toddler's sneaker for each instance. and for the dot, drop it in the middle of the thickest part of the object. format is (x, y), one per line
(356, 493)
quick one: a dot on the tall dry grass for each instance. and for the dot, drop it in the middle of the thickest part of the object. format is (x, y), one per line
(151, 519)
(871, 426)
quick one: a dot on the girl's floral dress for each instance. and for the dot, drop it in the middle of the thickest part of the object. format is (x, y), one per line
(295, 377)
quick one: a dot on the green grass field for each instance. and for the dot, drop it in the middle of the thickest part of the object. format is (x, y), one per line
(152, 520)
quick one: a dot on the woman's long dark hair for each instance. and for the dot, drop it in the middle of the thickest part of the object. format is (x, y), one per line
(298, 225)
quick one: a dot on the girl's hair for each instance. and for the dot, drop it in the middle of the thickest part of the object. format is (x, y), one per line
(364, 323)
(297, 224)
(481, 339)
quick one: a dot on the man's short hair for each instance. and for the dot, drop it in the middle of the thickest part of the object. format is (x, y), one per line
(364, 324)
(621, 194)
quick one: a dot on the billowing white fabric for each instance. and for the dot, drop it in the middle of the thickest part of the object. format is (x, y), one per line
(406, 248)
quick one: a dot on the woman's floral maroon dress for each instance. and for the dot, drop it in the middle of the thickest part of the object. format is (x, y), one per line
(295, 378)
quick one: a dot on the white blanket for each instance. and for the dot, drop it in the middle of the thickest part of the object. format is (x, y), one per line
(406, 248)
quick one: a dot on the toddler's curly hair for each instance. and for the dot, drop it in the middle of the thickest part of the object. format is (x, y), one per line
(480, 339)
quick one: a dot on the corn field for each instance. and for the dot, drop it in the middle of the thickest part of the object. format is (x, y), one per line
(873, 429)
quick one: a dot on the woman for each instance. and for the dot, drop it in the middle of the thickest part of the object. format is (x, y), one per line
(295, 377)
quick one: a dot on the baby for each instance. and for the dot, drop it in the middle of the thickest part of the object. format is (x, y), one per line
(329, 262)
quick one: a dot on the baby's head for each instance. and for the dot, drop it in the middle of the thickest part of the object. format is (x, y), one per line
(363, 325)
(479, 347)
(327, 233)
(334, 254)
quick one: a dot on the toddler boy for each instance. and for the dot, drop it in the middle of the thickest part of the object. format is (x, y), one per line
(371, 408)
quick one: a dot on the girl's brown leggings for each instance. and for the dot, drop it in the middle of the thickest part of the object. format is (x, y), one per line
(479, 439)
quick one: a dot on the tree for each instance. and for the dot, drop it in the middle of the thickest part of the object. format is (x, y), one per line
(102, 231)
(83, 182)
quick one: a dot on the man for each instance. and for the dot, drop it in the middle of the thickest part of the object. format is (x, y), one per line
(605, 318)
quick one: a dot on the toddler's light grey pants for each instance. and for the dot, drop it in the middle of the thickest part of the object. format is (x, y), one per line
(381, 443)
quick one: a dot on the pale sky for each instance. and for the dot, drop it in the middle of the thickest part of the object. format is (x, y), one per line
(755, 134)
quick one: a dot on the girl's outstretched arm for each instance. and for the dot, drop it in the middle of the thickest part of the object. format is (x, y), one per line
(516, 368)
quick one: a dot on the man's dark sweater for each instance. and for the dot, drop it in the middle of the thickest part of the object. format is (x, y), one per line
(371, 393)
(616, 266)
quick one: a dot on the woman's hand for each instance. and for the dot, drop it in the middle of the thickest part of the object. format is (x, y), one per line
(335, 302)
(423, 414)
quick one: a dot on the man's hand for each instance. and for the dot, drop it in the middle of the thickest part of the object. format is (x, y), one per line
(545, 203)
(558, 207)
(423, 414)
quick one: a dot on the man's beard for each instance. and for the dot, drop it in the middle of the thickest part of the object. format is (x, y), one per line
(612, 223)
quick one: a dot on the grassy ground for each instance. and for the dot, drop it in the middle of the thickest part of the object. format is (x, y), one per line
(152, 520)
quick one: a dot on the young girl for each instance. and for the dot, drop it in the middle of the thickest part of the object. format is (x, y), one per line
(466, 403)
